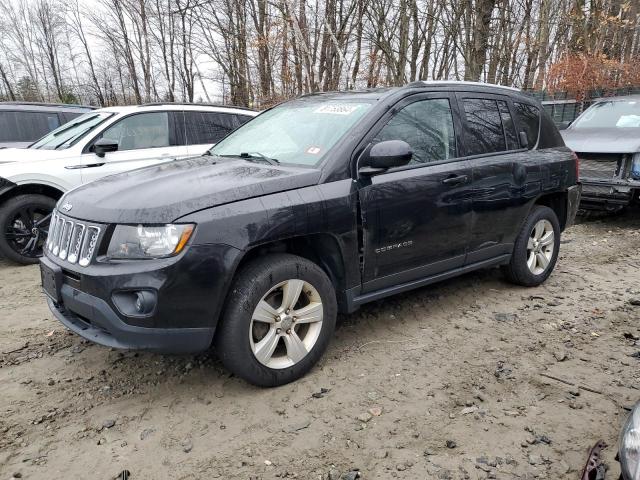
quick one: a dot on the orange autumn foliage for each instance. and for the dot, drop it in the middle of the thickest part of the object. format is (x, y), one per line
(577, 74)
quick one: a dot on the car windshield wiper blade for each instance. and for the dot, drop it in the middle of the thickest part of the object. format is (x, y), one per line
(70, 140)
(255, 156)
(74, 124)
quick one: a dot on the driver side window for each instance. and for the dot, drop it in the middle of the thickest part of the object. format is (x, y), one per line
(427, 126)
(144, 130)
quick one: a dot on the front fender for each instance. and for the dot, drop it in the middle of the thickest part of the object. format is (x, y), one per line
(6, 186)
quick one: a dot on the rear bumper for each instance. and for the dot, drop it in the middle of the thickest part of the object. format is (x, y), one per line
(573, 201)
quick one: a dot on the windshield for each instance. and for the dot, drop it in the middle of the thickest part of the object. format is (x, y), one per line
(71, 132)
(298, 132)
(614, 114)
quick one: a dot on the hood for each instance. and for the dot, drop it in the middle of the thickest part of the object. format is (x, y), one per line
(166, 192)
(602, 140)
(9, 155)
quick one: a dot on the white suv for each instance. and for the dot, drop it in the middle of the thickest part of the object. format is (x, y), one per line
(102, 142)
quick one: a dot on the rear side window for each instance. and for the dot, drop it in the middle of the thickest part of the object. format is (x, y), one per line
(68, 116)
(427, 126)
(509, 127)
(208, 127)
(240, 120)
(529, 120)
(484, 126)
(9, 131)
(26, 126)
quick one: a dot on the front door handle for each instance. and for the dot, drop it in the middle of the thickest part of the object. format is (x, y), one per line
(455, 180)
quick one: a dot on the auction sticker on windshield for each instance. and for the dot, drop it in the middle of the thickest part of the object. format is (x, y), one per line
(338, 108)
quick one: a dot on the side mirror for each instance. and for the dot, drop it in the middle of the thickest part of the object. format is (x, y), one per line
(103, 146)
(564, 125)
(385, 155)
(524, 139)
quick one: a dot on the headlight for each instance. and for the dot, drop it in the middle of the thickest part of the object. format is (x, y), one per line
(630, 446)
(144, 241)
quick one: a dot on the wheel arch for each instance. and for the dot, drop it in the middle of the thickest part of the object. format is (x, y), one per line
(556, 201)
(30, 188)
(323, 249)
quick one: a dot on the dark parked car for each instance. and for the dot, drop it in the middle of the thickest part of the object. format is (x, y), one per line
(22, 123)
(606, 138)
(318, 205)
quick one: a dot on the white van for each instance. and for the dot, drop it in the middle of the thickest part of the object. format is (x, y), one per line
(99, 143)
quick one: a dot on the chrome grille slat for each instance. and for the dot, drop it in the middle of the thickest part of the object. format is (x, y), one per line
(52, 230)
(72, 240)
(75, 243)
(65, 238)
(56, 238)
(89, 246)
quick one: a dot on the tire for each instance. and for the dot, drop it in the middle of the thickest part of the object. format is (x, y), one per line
(19, 216)
(263, 281)
(520, 269)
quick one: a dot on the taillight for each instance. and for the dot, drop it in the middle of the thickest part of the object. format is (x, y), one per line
(576, 160)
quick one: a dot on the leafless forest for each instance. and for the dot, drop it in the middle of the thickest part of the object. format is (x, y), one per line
(257, 52)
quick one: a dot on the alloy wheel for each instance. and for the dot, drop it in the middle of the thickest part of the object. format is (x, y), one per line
(286, 324)
(27, 230)
(540, 247)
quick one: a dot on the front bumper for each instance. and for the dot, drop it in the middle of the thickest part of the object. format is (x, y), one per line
(616, 192)
(105, 328)
(189, 291)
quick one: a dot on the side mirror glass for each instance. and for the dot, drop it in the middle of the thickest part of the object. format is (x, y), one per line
(385, 155)
(524, 140)
(103, 146)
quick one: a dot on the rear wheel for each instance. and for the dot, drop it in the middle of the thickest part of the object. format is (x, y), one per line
(24, 226)
(278, 320)
(536, 249)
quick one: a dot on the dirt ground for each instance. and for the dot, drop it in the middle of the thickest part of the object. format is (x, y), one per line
(445, 382)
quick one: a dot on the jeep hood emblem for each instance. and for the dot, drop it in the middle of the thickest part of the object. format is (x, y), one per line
(67, 207)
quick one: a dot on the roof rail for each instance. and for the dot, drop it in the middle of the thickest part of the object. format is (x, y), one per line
(45, 104)
(203, 104)
(422, 83)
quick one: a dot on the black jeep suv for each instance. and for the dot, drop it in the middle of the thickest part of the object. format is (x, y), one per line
(315, 207)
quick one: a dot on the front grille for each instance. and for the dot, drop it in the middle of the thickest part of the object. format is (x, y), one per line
(600, 166)
(72, 240)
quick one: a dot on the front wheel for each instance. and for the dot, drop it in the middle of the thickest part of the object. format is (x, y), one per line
(279, 318)
(24, 224)
(536, 249)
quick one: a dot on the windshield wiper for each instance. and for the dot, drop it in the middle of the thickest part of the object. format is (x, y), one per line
(74, 124)
(255, 156)
(72, 139)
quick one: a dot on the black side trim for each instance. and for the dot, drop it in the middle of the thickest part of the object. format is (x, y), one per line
(354, 300)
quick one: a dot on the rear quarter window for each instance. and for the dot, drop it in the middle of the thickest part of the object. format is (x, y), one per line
(528, 117)
(208, 127)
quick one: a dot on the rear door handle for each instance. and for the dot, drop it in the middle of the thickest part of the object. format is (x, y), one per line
(455, 180)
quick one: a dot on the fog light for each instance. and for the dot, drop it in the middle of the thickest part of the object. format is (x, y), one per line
(136, 303)
(145, 302)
